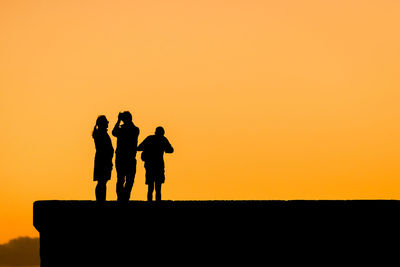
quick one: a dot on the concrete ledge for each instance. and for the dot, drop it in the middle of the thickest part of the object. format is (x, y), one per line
(81, 233)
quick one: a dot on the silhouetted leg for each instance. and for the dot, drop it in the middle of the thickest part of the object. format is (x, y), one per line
(158, 191)
(101, 191)
(128, 186)
(130, 178)
(150, 190)
(120, 187)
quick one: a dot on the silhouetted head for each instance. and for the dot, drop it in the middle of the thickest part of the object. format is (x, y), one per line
(102, 122)
(160, 131)
(126, 116)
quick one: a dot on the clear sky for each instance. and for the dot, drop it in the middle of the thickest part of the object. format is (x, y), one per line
(260, 99)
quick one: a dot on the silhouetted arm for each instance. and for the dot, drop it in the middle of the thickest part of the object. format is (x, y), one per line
(115, 131)
(94, 131)
(110, 147)
(137, 132)
(141, 146)
(168, 148)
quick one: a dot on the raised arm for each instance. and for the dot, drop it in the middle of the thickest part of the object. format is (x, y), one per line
(115, 131)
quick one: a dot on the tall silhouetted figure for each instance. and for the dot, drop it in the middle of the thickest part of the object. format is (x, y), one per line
(153, 148)
(103, 158)
(125, 154)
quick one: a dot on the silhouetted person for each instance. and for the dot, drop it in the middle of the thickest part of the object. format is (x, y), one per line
(153, 148)
(125, 160)
(103, 158)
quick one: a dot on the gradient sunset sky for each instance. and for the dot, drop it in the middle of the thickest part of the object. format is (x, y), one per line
(279, 99)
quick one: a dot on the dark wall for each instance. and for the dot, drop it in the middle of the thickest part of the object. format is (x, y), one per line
(80, 233)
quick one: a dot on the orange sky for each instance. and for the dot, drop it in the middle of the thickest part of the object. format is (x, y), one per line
(260, 99)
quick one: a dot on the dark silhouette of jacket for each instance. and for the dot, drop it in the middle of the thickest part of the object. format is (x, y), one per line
(127, 139)
(104, 154)
(154, 147)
